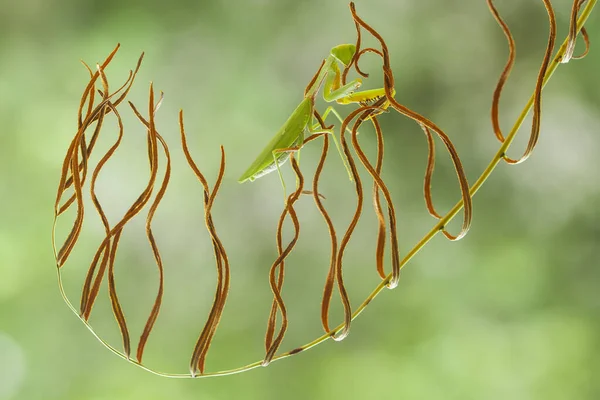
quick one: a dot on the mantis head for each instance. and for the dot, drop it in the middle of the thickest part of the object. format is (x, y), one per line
(344, 53)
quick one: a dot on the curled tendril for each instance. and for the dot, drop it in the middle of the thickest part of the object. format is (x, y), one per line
(277, 272)
(389, 91)
(96, 105)
(512, 49)
(330, 279)
(223, 270)
(572, 39)
(537, 99)
(362, 113)
(153, 137)
(73, 174)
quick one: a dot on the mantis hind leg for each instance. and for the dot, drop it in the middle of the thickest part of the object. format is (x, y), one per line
(332, 110)
(295, 149)
(276, 161)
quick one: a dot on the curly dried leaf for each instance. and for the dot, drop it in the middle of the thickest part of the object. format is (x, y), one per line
(330, 279)
(340, 335)
(223, 270)
(505, 72)
(379, 185)
(92, 115)
(537, 102)
(356, 56)
(277, 271)
(572, 38)
(429, 172)
(85, 296)
(223, 274)
(154, 136)
(389, 90)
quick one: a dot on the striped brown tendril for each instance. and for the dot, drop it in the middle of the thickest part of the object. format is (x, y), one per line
(389, 91)
(537, 100)
(330, 279)
(512, 49)
(153, 138)
(100, 109)
(223, 270)
(380, 186)
(276, 275)
(103, 261)
(572, 39)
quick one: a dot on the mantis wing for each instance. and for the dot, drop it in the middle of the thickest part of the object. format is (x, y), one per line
(290, 134)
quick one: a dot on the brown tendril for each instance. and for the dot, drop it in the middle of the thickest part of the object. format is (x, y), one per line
(223, 270)
(355, 57)
(87, 149)
(537, 99)
(340, 335)
(330, 279)
(89, 294)
(154, 135)
(429, 173)
(379, 185)
(586, 40)
(505, 72)
(277, 271)
(380, 247)
(75, 170)
(360, 54)
(389, 89)
(572, 38)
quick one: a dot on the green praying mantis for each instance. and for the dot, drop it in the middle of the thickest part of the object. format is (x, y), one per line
(290, 137)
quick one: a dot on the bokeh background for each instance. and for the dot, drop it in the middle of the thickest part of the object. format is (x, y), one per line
(510, 312)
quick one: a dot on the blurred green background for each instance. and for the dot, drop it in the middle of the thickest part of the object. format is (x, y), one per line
(510, 312)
